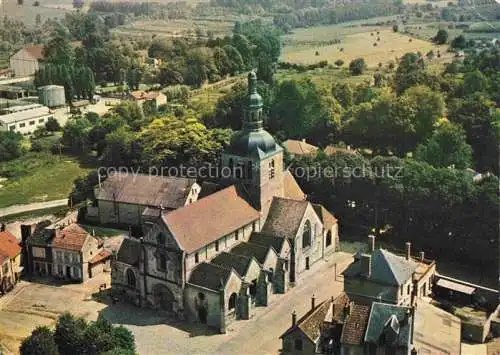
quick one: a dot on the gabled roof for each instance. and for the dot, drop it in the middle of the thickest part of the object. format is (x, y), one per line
(129, 252)
(35, 51)
(259, 252)
(208, 219)
(390, 324)
(355, 325)
(210, 276)
(292, 188)
(386, 268)
(146, 190)
(143, 95)
(72, 237)
(101, 256)
(9, 245)
(240, 263)
(297, 147)
(267, 240)
(310, 324)
(284, 217)
(326, 217)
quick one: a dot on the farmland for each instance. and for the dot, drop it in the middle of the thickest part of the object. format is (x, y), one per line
(27, 13)
(375, 46)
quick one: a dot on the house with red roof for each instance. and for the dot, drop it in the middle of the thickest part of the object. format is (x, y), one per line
(26, 61)
(10, 261)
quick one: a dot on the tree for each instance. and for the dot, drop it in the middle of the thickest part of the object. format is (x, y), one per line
(265, 71)
(475, 81)
(357, 66)
(410, 72)
(11, 145)
(180, 140)
(76, 135)
(441, 36)
(428, 107)
(69, 334)
(343, 93)
(40, 342)
(459, 42)
(446, 147)
(339, 62)
(395, 28)
(52, 125)
(58, 50)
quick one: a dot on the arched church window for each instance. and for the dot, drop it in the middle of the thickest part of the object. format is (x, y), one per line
(161, 261)
(306, 235)
(232, 301)
(329, 238)
(131, 282)
(271, 169)
(160, 239)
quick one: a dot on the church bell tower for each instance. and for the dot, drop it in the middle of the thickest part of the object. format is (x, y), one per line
(254, 157)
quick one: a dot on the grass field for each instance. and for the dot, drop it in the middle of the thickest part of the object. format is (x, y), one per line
(37, 178)
(391, 46)
(177, 28)
(326, 77)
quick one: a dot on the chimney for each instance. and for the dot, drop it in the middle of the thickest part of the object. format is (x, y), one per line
(371, 242)
(366, 265)
(294, 318)
(422, 256)
(313, 302)
(408, 250)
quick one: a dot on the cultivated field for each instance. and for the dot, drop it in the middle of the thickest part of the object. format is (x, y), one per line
(27, 13)
(390, 46)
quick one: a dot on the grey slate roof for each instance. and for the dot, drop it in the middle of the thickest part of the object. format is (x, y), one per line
(146, 190)
(210, 276)
(284, 217)
(389, 324)
(129, 251)
(386, 268)
(267, 240)
(239, 263)
(259, 252)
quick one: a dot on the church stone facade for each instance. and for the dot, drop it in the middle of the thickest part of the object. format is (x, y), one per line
(214, 260)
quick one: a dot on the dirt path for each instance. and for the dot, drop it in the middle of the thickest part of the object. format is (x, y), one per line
(31, 207)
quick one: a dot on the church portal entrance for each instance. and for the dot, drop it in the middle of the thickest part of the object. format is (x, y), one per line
(163, 298)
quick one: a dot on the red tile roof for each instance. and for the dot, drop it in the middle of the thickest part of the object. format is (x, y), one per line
(9, 245)
(292, 188)
(209, 219)
(72, 238)
(35, 51)
(143, 95)
(103, 255)
(299, 147)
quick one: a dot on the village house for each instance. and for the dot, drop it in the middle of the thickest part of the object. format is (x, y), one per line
(155, 98)
(215, 259)
(299, 148)
(382, 276)
(66, 252)
(122, 198)
(10, 261)
(26, 61)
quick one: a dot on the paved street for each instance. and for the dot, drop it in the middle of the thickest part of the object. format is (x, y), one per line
(32, 207)
(259, 335)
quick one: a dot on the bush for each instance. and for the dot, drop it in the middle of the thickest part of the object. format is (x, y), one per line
(52, 125)
(441, 37)
(357, 66)
(11, 145)
(339, 62)
(395, 28)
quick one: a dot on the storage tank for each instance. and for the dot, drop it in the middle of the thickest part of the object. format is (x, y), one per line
(51, 95)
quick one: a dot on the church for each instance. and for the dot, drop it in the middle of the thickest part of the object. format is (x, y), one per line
(214, 260)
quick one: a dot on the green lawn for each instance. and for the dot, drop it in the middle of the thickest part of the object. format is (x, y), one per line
(38, 177)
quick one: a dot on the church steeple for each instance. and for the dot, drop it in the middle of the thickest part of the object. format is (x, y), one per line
(252, 120)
